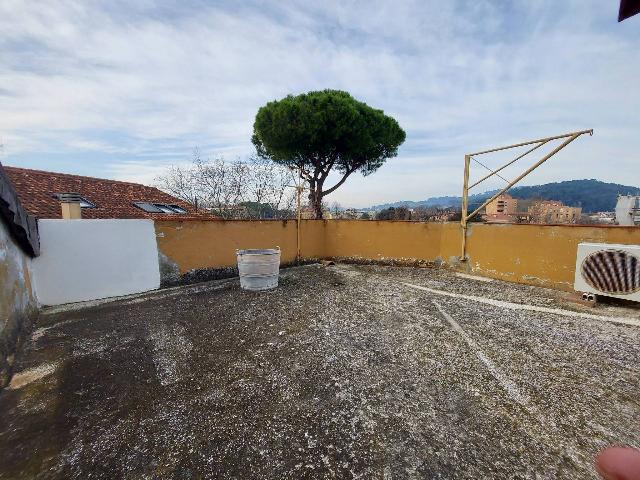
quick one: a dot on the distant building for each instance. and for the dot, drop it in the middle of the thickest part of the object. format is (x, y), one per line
(553, 211)
(628, 210)
(603, 217)
(504, 209)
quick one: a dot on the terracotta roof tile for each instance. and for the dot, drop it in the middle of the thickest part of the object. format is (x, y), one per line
(113, 199)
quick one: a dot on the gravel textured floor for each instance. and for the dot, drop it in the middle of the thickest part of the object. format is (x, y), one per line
(341, 372)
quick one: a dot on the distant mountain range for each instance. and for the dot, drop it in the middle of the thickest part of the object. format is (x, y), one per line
(592, 195)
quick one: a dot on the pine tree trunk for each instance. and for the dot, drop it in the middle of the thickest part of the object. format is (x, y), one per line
(316, 203)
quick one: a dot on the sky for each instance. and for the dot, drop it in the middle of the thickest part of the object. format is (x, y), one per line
(124, 89)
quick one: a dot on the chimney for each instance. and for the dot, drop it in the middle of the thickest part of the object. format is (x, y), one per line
(70, 203)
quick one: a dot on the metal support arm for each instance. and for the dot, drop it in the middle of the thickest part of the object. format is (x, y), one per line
(465, 217)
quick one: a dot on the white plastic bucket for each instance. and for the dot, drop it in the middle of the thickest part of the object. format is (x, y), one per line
(259, 268)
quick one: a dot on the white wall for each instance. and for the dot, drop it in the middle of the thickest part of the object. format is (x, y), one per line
(90, 259)
(626, 213)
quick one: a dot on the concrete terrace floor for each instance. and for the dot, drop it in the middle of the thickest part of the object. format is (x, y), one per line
(341, 372)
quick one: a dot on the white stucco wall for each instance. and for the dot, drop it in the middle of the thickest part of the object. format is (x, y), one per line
(90, 259)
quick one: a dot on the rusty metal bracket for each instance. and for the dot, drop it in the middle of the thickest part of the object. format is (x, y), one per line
(465, 216)
(299, 187)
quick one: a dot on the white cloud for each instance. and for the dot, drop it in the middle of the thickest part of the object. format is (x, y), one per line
(137, 171)
(136, 87)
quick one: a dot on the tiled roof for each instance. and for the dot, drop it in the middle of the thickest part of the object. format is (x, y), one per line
(113, 199)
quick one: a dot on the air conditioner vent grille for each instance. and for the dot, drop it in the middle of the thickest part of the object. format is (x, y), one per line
(612, 271)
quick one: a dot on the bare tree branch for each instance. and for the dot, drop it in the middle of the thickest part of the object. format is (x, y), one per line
(256, 188)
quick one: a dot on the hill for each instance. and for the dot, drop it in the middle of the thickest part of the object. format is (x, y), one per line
(592, 195)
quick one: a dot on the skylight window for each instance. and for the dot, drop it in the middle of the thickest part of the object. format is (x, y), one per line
(160, 208)
(84, 203)
(164, 208)
(178, 209)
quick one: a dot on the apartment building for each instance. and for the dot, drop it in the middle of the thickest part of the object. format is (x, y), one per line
(553, 211)
(502, 210)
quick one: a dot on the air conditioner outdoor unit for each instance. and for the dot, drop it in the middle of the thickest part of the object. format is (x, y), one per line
(608, 269)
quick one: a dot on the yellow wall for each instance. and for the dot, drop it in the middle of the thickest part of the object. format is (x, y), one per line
(313, 238)
(542, 255)
(213, 244)
(380, 240)
(533, 254)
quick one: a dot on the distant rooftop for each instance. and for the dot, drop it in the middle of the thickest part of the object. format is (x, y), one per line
(39, 192)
